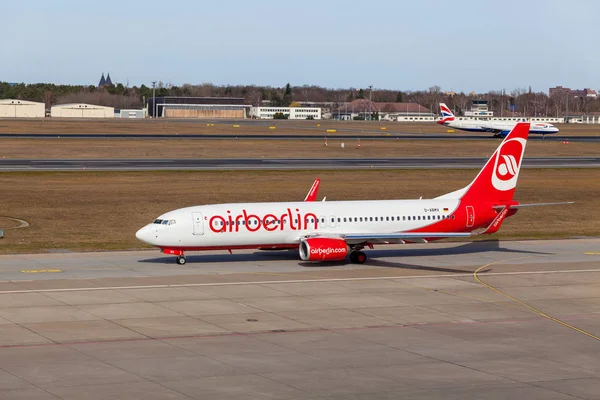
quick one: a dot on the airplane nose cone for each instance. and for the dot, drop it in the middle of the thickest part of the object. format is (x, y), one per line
(144, 234)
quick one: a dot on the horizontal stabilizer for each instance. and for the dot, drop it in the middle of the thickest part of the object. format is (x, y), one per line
(534, 205)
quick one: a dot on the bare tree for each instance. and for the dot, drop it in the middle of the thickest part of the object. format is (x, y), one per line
(47, 98)
(254, 97)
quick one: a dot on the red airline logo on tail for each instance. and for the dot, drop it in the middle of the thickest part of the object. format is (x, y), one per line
(507, 163)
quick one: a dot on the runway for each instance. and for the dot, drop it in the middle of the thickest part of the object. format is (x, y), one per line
(356, 134)
(146, 164)
(412, 323)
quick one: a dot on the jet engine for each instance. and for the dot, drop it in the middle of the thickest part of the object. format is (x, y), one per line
(323, 249)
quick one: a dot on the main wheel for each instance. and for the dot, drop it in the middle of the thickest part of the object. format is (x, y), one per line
(181, 260)
(361, 257)
(358, 257)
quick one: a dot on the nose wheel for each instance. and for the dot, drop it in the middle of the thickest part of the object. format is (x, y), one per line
(181, 260)
(358, 257)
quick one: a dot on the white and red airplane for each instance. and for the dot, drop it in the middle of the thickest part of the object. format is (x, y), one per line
(327, 231)
(498, 128)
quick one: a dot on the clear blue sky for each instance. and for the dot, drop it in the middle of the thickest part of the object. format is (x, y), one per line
(460, 45)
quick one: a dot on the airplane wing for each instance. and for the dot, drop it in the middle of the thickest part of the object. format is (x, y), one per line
(314, 189)
(491, 129)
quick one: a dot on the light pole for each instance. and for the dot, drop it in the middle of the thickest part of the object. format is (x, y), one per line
(154, 99)
(370, 111)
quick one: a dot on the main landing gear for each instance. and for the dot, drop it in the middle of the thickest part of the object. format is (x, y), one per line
(181, 260)
(358, 257)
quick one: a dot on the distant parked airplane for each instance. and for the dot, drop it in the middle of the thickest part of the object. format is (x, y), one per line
(330, 231)
(499, 128)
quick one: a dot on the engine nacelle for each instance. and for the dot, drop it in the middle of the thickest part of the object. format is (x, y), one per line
(323, 249)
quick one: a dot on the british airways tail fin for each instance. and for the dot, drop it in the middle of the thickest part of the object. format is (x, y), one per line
(446, 114)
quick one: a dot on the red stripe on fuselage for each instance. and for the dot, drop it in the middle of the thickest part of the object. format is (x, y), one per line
(282, 246)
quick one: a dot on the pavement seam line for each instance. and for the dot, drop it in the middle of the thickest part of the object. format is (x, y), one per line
(182, 285)
(527, 306)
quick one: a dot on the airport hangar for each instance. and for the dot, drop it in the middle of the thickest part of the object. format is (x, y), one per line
(198, 107)
(81, 110)
(14, 108)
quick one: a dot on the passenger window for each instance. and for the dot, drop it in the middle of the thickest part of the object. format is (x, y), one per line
(403, 218)
(371, 219)
(360, 219)
(387, 218)
(376, 219)
(344, 219)
(355, 219)
(339, 220)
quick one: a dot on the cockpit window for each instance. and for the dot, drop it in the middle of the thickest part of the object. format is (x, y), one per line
(171, 222)
(158, 221)
(165, 222)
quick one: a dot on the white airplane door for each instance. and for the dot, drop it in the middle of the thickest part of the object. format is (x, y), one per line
(322, 222)
(470, 216)
(198, 223)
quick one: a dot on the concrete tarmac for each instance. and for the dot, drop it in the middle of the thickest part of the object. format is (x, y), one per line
(412, 323)
(203, 164)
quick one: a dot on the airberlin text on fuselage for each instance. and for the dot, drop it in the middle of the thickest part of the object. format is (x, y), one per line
(268, 222)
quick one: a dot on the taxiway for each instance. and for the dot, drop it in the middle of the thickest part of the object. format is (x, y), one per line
(147, 164)
(412, 323)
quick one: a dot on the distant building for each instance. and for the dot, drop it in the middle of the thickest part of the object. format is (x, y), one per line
(364, 109)
(198, 107)
(560, 91)
(289, 112)
(479, 108)
(132, 113)
(11, 108)
(81, 110)
(104, 82)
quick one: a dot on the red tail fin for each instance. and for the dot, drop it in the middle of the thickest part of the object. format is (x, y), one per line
(497, 180)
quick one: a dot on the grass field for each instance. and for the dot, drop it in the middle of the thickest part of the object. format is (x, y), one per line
(239, 148)
(102, 210)
(67, 126)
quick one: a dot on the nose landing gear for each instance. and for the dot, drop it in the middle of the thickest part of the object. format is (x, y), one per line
(181, 260)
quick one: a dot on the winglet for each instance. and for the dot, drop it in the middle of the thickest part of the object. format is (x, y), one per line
(314, 189)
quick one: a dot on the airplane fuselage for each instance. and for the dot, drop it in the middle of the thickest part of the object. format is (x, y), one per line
(282, 225)
(500, 127)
